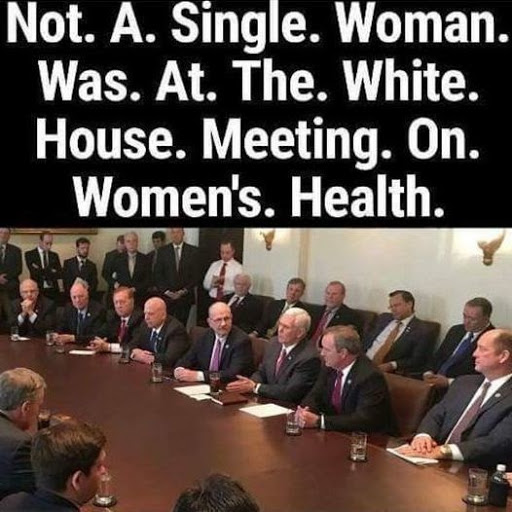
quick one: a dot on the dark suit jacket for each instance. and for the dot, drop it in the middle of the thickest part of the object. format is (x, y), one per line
(411, 350)
(487, 441)
(40, 501)
(45, 321)
(343, 316)
(51, 274)
(141, 279)
(114, 322)
(108, 267)
(11, 266)
(93, 324)
(236, 358)
(15, 467)
(88, 273)
(271, 315)
(246, 314)
(297, 374)
(463, 365)
(186, 277)
(173, 341)
(366, 404)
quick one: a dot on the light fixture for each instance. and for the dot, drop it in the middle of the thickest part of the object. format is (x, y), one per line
(268, 235)
(490, 245)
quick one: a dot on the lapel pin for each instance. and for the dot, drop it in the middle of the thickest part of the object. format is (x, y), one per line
(349, 381)
(226, 346)
(497, 395)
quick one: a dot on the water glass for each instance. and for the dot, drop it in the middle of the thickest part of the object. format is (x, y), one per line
(477, 487)
(156, 373)
(50, 338)
(293, 426)
(104, 495)
(214, 383)
(125, 354)
(60, 346)
(15, 333)
(358, 443)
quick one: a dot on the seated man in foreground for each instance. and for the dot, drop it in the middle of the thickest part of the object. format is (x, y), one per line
(224, 348)
(473, 422)
(290, 365)
(350, 393)
(68, 460)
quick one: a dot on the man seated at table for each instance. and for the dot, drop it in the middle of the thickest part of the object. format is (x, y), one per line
(290, 365)
(83, 319)
(161, 338)
(215, 494)
(454, 356)
(224, 348)
(350, 393)
(473, 421)
(122, 326)
(34, 314)
(21, 395)
(68, 461)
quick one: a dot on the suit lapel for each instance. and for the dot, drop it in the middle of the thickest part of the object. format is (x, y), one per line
(503, 392)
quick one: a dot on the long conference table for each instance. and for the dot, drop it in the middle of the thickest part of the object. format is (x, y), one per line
(160, 442)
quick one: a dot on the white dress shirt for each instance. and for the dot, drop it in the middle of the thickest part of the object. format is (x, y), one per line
(233, 268)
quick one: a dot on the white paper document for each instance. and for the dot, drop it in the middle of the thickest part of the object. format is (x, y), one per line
(82, 352)
(200, 389)
(415, 460)
(265, 410)
(201, 397)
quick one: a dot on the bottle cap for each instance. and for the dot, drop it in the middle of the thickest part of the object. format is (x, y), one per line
(501, 467)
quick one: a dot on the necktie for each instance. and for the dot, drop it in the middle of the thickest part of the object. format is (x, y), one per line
(2, 253)
(215, 361)
(177, 256)
(461, 350)
(378, 358)
(468, 416)
(153, 341)
(79, 323)
(220, 286)
(279, 361)
(46, 260)
(336, 392)
(321, 327)
(81, 263)
(131, 264)
(122, 331)
(235, 303)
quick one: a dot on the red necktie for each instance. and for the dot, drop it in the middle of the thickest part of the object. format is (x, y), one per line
(336, 392)
(280, 360)
(122, 331)
(321, 327)
(220, 286)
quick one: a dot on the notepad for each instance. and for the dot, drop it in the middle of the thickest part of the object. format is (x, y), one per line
(419, 461)
(77, 352)
(200, 389)
(265, 410)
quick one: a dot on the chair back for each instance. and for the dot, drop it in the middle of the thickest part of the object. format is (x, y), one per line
(369, 319)
(258, 349)
(410, 401)
(196, 332)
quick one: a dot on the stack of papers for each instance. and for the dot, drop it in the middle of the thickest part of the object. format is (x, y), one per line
(197, 392)
(265, 410)
(78, 352)
(420, 461)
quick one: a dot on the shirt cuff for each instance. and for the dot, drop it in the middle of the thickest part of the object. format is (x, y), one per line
(394, 364)
(200, 377)
(456, 453)
(256, 388)
(450, 381)
(115, 348)
(20, 319)
(322, 421)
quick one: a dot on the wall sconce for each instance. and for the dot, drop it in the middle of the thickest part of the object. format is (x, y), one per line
(268, 235)
(490, 245)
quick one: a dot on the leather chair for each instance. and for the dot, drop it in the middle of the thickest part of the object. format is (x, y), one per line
(410, 401)
(196, 332)
(369, 319)
(258, 349)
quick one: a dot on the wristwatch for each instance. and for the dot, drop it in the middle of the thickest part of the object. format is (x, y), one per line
(446, 451)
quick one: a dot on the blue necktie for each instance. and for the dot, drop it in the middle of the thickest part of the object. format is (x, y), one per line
(153, 341)
(79, 323)
(457, 354)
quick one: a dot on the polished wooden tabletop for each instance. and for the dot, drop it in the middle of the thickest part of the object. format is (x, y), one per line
(160, 442)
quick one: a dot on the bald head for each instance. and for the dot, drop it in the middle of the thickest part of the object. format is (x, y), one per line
(79, 294)
(220, 318)
(155, 312)
(29, 290)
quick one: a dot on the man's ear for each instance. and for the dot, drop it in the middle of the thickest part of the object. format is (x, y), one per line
(74, 480)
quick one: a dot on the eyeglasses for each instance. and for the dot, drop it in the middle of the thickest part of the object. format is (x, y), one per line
(221, 319)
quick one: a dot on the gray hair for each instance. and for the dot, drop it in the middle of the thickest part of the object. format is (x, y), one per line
(302, 318)
(18, 386)
(82, 282)
(345, 336)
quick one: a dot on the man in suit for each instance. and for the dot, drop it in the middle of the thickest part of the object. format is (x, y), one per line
(121, 326)
(44, 267)
(400, 341)
(69, 461)
(267, 326)
(290, 365)
(162, 340)
(473, 422)
(10, 269)
(132, 268)
(33, 313)
(158, 240)
(454, 357)
(335, 312)
(21, 395)
(224, 348)
(80, 266)
(350, 393)
(83, 319)
(245, 307)
(107, 270)
(177, 274)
